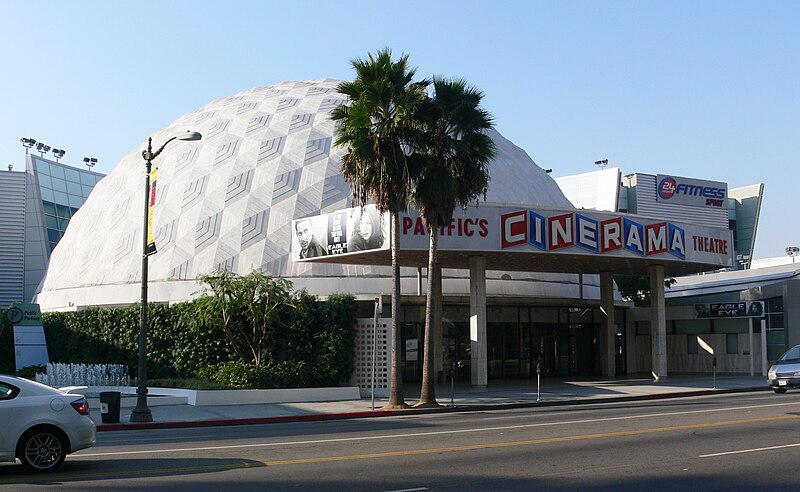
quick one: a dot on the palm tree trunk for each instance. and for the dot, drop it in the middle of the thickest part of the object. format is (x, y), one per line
(427, 395)
(396, 383)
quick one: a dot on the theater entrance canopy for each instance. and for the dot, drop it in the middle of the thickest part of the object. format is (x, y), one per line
(519, 238)
(504, 237)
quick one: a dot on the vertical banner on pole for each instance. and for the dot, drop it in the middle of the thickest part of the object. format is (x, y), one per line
(151, 211)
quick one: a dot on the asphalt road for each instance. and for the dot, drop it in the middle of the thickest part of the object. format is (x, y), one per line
(746, 441)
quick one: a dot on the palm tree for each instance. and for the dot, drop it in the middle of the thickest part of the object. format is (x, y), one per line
(456, 149)
(376, 126)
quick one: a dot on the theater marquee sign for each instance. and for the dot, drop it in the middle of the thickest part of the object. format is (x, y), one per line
(499, 228)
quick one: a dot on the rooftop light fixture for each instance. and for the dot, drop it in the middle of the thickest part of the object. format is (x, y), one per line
(27, 143)
(42, 148)
(792, 251)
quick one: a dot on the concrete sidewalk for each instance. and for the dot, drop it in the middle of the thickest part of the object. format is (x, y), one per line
(507, 394)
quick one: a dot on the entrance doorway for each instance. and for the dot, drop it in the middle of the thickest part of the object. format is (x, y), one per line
(567, 342)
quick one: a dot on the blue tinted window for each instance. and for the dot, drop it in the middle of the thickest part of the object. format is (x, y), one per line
(53, 235)
(61, 198)
(49, 207)
(75, 200)
(42, 166)
(47, 194)
(52, 246)
(74, 188)
(50, 222)
(62, 224)
(86, 190)
(57, 172)
(44, 180)
(63, 211)
(59, 185)
(72, 175)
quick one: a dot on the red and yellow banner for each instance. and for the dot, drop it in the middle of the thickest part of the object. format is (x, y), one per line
(151, 212)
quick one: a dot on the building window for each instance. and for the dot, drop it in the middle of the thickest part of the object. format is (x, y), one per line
(731, 343)
(691, 344)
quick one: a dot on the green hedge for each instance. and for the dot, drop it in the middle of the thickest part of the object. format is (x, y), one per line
(313, 345)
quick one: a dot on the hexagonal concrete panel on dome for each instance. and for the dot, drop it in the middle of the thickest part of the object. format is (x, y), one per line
(227, 201)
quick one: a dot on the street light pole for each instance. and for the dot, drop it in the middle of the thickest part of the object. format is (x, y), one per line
(142, 412)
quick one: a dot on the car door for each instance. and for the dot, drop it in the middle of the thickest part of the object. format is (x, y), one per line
(11, 418)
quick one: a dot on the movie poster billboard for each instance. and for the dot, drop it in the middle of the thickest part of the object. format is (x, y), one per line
(341, 232)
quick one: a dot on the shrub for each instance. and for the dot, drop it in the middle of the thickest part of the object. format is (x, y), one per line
(235, 373)
(29, 372)
(306, 342)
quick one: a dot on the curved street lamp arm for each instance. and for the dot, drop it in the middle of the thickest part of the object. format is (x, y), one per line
(148, 154)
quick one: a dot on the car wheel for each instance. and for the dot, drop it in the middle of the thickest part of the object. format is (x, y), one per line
(42, 450)
(779, 390)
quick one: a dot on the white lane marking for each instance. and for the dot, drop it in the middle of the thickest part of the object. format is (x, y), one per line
(754, 450)
(434, 433)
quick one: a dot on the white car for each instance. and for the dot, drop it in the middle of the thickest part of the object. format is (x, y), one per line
(41, 425)
(785, 372)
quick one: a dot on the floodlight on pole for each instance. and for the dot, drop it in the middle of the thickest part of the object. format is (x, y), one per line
(142, 412)
(792, 251)
(42, 148)
(27, 143)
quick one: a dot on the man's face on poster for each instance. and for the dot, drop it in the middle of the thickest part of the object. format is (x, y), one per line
(304, 233)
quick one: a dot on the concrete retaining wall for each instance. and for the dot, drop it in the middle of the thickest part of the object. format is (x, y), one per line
(176, 396)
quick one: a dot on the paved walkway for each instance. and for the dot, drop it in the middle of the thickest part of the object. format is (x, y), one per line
(508, 394)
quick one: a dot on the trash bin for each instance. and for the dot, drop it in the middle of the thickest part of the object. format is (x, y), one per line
(109, 406)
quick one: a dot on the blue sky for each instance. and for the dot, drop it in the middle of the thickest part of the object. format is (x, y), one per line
(707, 89)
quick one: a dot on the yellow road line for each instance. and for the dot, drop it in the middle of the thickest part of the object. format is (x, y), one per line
(473, 447)
(388, 454)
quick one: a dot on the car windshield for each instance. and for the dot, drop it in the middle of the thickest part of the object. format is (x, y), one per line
(792, 355)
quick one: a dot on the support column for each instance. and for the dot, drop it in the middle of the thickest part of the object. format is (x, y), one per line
(477, 320)
(438, 358)
(607, 305)
(658, 322)
(764, 359)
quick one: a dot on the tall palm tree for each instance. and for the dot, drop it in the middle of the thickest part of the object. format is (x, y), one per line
(456, 150)
(375, 126)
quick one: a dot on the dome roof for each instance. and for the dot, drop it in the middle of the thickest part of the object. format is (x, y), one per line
(227, 201)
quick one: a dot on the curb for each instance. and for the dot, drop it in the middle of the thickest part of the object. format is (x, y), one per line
(317, 417)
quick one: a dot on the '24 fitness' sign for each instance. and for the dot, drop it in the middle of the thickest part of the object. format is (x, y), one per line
(501, 228)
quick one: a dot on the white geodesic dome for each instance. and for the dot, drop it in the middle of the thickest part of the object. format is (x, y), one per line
(227, 201)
